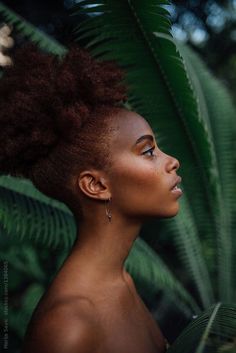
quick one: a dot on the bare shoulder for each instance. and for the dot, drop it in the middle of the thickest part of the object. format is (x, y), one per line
(66, 328)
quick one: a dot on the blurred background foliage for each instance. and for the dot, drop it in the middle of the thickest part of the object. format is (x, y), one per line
(209, 28)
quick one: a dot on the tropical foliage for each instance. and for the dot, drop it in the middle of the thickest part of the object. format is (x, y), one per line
(194, 119)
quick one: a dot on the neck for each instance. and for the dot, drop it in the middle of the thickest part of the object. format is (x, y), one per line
(102, 247)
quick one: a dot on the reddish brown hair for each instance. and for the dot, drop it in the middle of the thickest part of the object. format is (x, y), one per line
(54, 116)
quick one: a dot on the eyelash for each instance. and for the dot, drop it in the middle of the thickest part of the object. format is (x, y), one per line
(149, 150)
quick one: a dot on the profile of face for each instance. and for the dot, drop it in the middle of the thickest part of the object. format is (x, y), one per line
(142, 178)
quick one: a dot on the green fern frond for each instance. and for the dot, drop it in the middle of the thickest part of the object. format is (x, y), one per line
(189, 248)
(23, 258)
(26, 217)
(26, 188)
(29, 31)
(213, 331)
(19, 318)
(218, 110)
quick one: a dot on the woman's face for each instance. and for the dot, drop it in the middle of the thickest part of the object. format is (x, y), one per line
(141, 176)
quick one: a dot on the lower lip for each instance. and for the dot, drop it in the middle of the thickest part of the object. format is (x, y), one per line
(177, 191)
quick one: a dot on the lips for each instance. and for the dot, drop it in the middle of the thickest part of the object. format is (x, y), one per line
(176, 182)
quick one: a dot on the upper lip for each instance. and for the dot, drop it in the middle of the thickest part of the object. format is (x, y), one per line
(177, 181)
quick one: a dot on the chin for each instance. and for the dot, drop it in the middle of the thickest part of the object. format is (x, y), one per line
(170, 213)
(174, 213)
(161, 215)
(164, 213)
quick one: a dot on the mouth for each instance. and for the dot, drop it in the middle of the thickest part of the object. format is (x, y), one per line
(175, 189)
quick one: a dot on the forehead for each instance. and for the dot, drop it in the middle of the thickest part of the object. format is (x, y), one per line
(129, 126)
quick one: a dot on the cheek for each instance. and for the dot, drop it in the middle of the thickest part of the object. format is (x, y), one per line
(138, 186)
(141, 188)
(135, 175)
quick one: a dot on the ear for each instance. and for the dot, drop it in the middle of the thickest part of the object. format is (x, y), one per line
(94, 184)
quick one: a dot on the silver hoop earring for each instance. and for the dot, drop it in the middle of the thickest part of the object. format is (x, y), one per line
(108, 209)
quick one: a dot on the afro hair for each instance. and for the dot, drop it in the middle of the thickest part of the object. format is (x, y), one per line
(49, 106)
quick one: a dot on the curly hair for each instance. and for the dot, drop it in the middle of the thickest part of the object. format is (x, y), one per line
(55, 116)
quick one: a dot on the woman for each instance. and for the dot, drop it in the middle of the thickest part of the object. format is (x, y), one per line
(64, 127)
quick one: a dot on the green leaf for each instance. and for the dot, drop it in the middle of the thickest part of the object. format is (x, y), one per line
(26, 213)
(219, 113)
(29, 31)
(24, 259)
(31, 297)
(213, 331)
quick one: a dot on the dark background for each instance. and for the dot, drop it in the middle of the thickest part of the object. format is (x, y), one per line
(208, 26)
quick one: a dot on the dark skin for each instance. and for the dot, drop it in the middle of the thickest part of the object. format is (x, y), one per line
(92, 304)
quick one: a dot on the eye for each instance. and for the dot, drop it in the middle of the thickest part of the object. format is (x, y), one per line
(149, 152)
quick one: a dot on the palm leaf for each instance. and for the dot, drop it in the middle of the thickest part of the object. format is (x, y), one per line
(26, 213)
(189, 248)
(19, 318)
(26, 187)
(29, 31)
(213, 331)
(217, 108)
(23, 258)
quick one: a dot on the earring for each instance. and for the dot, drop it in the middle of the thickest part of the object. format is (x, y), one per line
(108, 210)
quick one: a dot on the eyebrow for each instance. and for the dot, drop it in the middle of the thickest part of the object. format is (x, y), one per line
(144, 137)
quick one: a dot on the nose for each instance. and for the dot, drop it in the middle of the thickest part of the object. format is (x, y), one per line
(172, 164)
